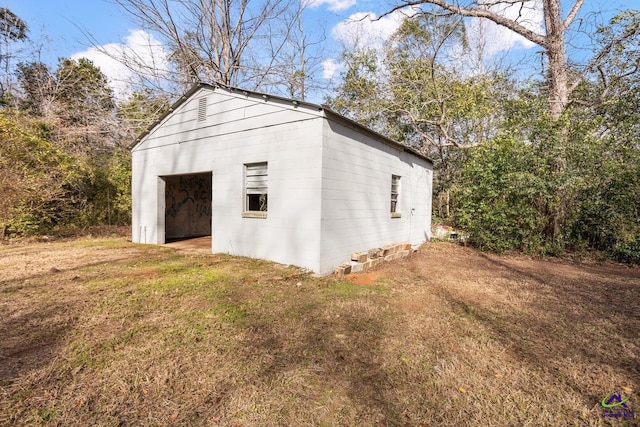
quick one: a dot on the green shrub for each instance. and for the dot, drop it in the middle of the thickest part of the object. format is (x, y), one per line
(43, 187)
(627, 252)
(500, 197)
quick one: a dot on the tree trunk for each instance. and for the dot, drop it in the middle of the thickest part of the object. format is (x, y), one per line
(558, 79)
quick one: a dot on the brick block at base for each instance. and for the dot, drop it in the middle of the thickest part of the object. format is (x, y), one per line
(343, 269)
(356, 267)
(367, 265)
(359, 256)
(363, 261)
(388, 250)
(392, 257)
(374, 253)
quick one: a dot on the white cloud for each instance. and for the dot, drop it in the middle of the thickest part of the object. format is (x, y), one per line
(496, 39)
(330, 68)
(363, 30)
(332, 5)
(122, 63)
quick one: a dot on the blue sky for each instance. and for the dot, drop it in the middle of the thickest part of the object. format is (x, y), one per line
(61, 26)
(65, 22)
(62, 21)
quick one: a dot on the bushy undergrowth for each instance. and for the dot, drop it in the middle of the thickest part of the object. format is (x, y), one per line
(552, 195)
(45, 185)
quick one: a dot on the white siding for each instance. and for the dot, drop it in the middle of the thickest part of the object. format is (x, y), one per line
(356, 195)
(238, 130)
(227, 114)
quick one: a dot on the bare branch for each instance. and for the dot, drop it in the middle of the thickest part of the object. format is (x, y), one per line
(572, 14)
(594, 63)
(216, 40)
(482, 12)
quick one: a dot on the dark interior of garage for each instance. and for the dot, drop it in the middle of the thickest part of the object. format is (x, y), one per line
(187, 206)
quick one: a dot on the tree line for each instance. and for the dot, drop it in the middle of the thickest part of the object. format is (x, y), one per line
(545, 162)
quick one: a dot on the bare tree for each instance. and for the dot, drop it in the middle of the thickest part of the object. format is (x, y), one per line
(292, 56)
(552, 42)
(214, 40)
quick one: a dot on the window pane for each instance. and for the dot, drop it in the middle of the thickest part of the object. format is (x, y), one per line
(395, 190)
(256, 180)
(257, 202)
(257, 169)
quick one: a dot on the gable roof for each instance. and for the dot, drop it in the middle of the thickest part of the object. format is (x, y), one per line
(328, 112)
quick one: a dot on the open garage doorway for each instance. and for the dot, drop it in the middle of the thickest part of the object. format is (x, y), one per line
(188, 200)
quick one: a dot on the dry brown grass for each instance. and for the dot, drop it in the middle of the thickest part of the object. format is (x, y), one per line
(105, 332)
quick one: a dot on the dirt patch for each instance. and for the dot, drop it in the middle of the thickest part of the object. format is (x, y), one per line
(364, 279)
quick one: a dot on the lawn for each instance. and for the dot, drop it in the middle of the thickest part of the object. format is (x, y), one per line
(106, 332)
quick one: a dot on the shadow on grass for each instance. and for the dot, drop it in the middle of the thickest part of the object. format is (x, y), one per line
(581, 317)
(339, 348)
(31, 339)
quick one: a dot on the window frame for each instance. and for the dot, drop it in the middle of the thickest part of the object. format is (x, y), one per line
(255, 185)
(396, 187)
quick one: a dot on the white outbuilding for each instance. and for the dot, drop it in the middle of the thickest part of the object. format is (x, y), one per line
(277, 179)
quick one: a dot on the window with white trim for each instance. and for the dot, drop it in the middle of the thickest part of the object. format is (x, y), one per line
(255, 182)
(395, 196)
